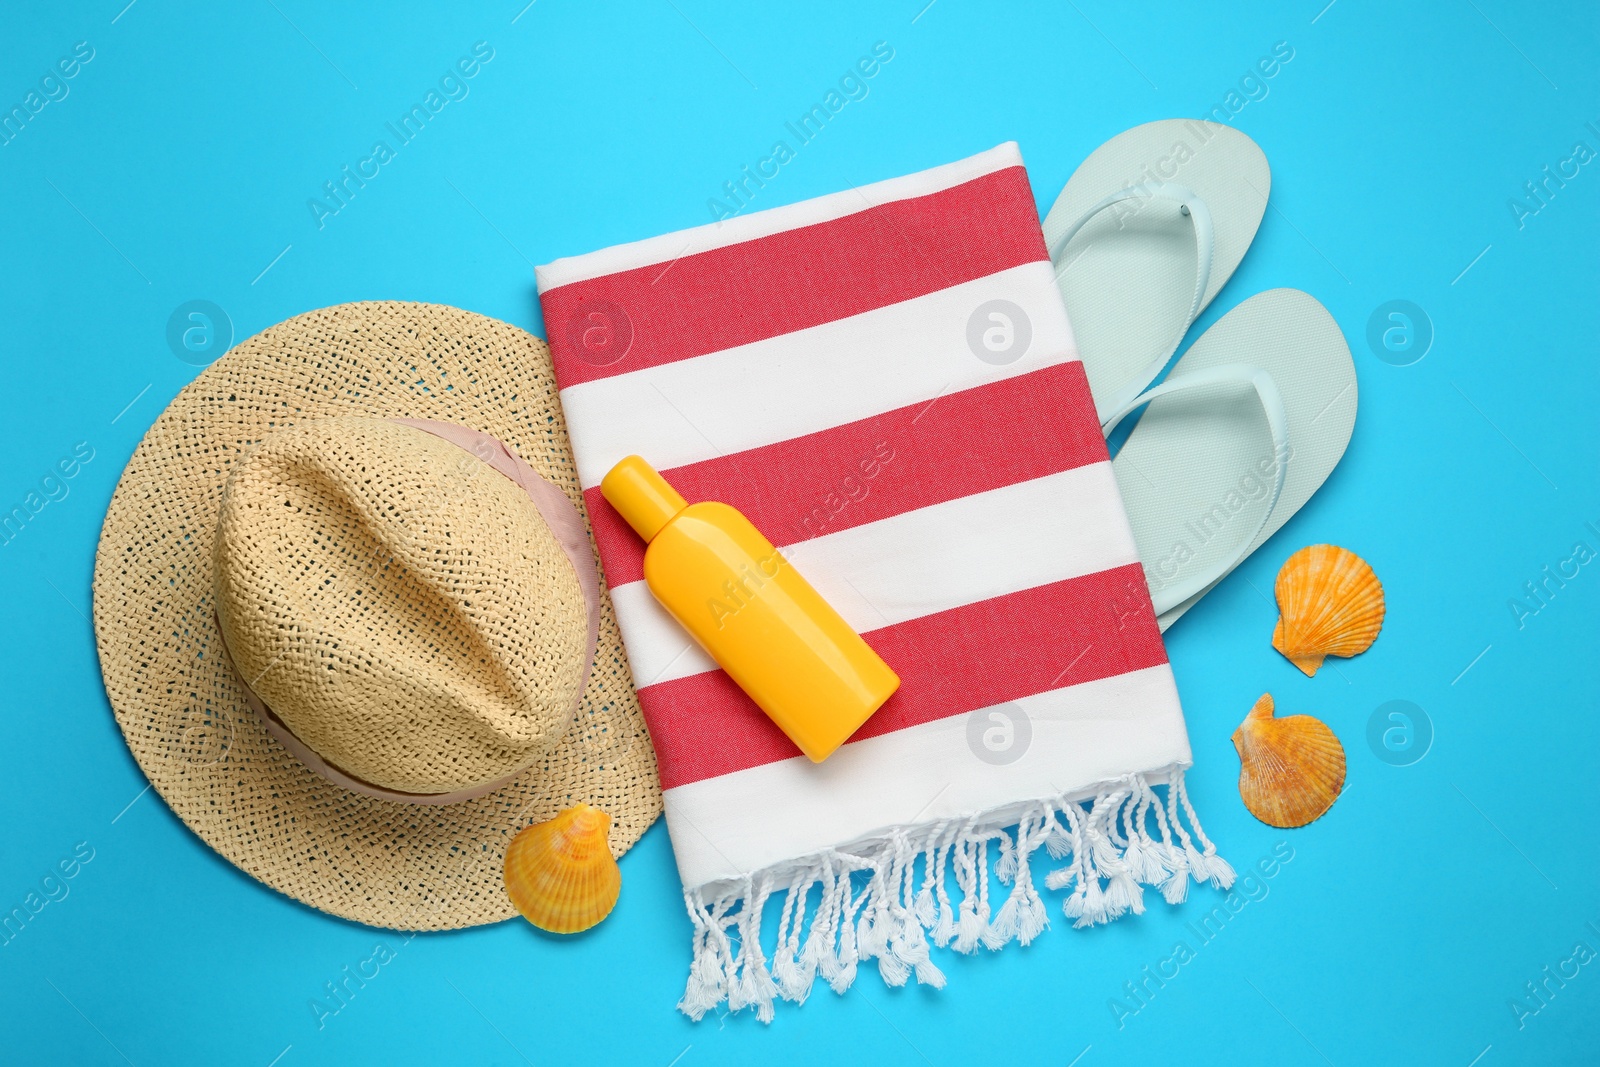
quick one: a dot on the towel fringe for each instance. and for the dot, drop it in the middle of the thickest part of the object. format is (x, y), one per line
(885, 916)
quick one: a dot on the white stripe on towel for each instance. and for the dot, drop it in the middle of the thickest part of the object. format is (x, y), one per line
(919, 562)
(671, 246)
(797, 383)
(1077, 738)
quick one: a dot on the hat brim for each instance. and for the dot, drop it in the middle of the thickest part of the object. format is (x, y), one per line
(185, 715)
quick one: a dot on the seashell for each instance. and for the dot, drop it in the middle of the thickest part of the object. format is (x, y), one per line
(560, 874)
(1291, 770)
(1330, 603)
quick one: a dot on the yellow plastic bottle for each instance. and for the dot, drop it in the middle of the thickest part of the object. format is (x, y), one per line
(752, 611)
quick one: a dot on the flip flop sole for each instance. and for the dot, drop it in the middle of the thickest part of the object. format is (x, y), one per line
(1196, 472)
(1128, 277)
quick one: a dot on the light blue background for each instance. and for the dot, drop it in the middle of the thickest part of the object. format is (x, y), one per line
(179, 167)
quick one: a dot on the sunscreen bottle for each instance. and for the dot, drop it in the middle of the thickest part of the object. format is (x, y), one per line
(757, 617)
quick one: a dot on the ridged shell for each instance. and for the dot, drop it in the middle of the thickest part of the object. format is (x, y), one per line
(1291, 770)
(561, 875)
(1330, 604)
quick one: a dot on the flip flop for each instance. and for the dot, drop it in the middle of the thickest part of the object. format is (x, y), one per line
(1248, 425)
(1145, 233)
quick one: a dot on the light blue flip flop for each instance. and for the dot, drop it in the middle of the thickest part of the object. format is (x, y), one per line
(1143, 236)
(1245, 429)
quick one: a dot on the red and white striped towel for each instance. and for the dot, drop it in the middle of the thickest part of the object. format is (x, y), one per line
(884, 381)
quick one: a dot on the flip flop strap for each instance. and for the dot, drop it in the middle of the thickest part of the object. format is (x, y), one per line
(1204, 244)
(1169, 597)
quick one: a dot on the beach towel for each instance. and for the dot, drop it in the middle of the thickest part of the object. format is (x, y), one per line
(884, 381)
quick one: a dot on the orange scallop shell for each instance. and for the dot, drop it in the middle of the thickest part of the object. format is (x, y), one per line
(561, 875)
(1330, 604)
(1291, 770)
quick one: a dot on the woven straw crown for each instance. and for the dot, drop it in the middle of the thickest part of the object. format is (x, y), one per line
(402, 607)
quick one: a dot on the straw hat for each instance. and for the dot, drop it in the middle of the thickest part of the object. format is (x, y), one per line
(350, 619)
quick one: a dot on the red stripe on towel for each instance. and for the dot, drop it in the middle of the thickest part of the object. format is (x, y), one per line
(916, 456)
(741, 293)
(1096, 626)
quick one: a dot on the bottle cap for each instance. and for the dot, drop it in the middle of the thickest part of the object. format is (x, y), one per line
(641, 496)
